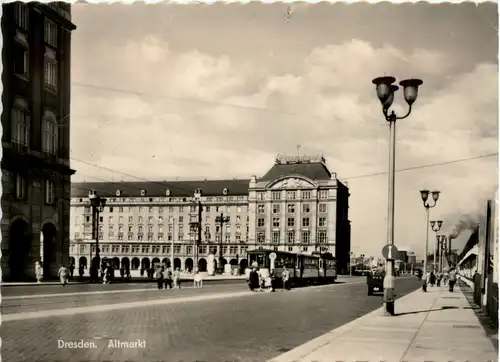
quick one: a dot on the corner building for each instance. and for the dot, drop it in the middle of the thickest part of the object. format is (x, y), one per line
(297, 206)
(36, 171)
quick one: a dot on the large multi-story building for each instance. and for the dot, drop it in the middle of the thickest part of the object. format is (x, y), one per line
(36, 137)
(297, 206)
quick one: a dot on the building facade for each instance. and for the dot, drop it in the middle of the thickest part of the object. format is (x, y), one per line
(36, 172)
(298, 206)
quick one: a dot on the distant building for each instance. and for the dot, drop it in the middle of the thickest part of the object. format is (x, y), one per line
(297, 206)
(36, 172)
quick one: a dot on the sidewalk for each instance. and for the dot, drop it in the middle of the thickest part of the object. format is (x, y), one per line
(433, 326)
(133, 280)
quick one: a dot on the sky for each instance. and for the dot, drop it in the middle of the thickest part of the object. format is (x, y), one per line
(166, 92)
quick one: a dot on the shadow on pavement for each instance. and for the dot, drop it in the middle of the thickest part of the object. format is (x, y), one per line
(428, 310)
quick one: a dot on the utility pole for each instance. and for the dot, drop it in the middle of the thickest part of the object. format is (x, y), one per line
(221, 220)
(97, 203)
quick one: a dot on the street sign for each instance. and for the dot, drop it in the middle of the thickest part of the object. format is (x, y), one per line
(390, 252)
(272, 256)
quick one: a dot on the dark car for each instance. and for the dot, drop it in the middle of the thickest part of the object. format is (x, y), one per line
(375, 281)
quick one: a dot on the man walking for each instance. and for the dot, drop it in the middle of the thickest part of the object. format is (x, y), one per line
(452, 275)
(63, 275)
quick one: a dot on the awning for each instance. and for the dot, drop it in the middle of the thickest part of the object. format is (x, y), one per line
(472, 252)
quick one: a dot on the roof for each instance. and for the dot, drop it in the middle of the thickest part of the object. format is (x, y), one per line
(159, 188)
(313, 171)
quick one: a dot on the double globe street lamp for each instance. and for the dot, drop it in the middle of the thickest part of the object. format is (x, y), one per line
(98, 204)
(424, 194)
(436, 226)
(385, 92)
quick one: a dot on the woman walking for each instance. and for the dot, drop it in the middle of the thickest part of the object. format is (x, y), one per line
(63, 275)
(38, 272)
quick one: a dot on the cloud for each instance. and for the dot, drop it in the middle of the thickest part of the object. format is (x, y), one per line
(327, 104)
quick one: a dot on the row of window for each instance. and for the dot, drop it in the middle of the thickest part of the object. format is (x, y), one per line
(306, 222)
(159, 249)
(21, 190)
(305, 237)
(192, 209)
(20, 132)
(159, 237)
(159, 219)
(293, 195)
(276, 208)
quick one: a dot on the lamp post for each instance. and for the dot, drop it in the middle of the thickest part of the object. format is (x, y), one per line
(442, 250)
(436, 226)
(172, 221)
(221, 220)
(98, 204)
(196, 226)
(424, 194)
(385, 92)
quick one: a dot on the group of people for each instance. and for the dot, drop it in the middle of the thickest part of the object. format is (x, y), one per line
(259, 281)
(447, 277)
(165, 276)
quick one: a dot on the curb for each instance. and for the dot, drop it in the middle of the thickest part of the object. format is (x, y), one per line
(307, 348)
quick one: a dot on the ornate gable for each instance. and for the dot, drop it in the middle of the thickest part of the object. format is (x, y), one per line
(291, 183)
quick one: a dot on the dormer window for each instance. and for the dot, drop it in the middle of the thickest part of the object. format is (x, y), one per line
(143, 192)
(225, 191)
(167, 192)
(118, 193)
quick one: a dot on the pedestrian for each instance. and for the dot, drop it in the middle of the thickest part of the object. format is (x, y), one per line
(268, 282)
(177, 278)
(253, 280)
(439, 278)
(285, 276)
(63, 275)
(122, 273)
(433, 279)
(453, 279)
(159, 277)
(168, 278)
(142, 273)
(38, 272)
(71, 270)
(81, 271)
(110, 274)
(198, 281)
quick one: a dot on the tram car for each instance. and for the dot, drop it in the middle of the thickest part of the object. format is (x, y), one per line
(303, 269)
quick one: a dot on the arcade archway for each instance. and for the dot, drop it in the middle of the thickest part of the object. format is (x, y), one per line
(82, 261)
(50, 266)
(166, 261)
(135, 263)
(19, 247)
(145, 264)
(202, 265)
(188, 264)
(177, 263)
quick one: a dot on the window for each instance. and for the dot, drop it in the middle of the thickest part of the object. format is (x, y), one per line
(141, 229)
(261, 208)
(322, 207)
(261, 237)
(160, 228)
(306, 237)
(233, 250)
(306, 195)
(20, 122)
(181, 219)
(260, 222)
(160, 237)
(20, 187)
(261, 195)
(238, 209)
(305, 222)
(228, 228)
(120, 219)
(120, 228)
(150, 237)
(181, 209)
(290, 248)
(306, 208)
(192, 208)
(238, 239)
(291, 222)
(49, 141)
(181, 232)
(228, 238)
(291, 208)
(120, 209)
(141, 219)
(125, 249)
(323, 194)
(276, 195)
(291, 237)
(141, 209)
(130, 236)
(21, 11)
(276, 237)
(177, 249)
(139, 237)
(150, 209)
(322, 222)
(110, 219)
(82, 249)
(322, 237)
(150, 228)
(160, 210)
(145, 249)
(170, 209)
(49, 192)
(213, 249)
(290, 195)
(50, 70)
(217, 238)
(224, 249)
(276, 208)
(50, 33)
(276, 222)
(21, 57)
(238, 228)
(238, 218)
(305, 249)
(160, 219)
(189, 250)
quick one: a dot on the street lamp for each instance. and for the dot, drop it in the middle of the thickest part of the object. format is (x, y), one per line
(442, 252)
(221, 220)
(436, 226)
(196, 226)
(385, 92)
(98, 204)
(424, 194)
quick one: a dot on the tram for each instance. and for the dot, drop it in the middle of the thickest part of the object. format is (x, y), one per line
(303, 269)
